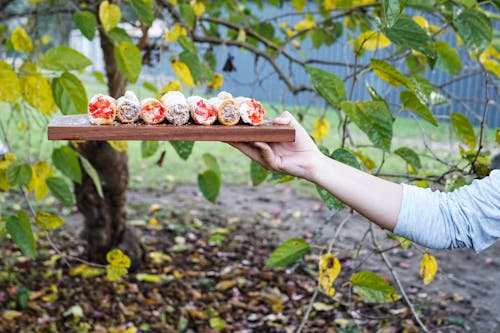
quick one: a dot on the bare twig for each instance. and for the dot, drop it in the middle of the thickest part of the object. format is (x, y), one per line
(398, 282)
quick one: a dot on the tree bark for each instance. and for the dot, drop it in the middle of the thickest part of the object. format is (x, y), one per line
(105, 218)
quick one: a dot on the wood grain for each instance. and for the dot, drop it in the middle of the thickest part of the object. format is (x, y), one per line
(78, 127)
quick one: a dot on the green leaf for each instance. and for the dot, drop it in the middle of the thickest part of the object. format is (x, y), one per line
(99, 76)
(408, 34)
(448, 59)
(18, 174)
(393, 10)
(374, 119)
(60, 189)
(149, 148)
(187, 14)
(258, 173)
(144, 9)
(328, 85)
(409, 156)
(217, 323)
(183, 148)
(90, 170)
(129, 60)
(19, 229)
(193, 62)
(48, 221)
(411, 102)
(288, 252)
(373, 288)
(10, 87)
(209, 184)
(66, 160)
(403, 242)
(475, 29)
(346, 157)
(63, 58)
(330, 201)
(86, 22)
(187, 44)
(212, 164)
(389, 73)
(150, 86)
(118, 35)
(464, 129)
(496, 3)
(69, 94)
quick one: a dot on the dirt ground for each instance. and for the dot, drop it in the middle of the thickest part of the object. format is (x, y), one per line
(466, 286)
(229, 281)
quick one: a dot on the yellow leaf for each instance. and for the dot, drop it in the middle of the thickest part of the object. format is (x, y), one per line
(299, 5)
(217, 81)
(290, 33)
(117, 258)
(373, 40)
(114, 273)
(48, 221)
(172, 2)
(428, 268)
(296, 44)
(37, 92)
(4, 183)
(109, 14)
(177, 274)
(329, 269)
(10, 315)
(177, 31)
(40, 172)
(120, 146)
(367, 162)
(198, 7)
(53, 296)
(46, 39)
(20, 40)
(321, 127)
(151, 278)
(8, 158)
(242, 36)
(10, 87)
(154, 208)
(91, 272)
(181, 70)
(171, 86)
(224, 285)
(284, 25)
(306, 24)
(422, 22)
(330, 4)
(159, 257)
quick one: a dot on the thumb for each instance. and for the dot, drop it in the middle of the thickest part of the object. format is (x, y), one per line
(285, 118)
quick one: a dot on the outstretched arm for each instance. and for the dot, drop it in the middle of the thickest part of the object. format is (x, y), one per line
(377, 199)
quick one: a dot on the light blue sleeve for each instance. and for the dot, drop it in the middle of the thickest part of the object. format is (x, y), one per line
(466, 217)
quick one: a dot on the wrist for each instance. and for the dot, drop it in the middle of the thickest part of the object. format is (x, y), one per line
(318, 168)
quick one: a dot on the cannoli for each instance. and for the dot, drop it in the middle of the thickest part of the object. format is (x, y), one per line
(251, 111)
(227, 112)
(152, 111)
(177, 109)
(202, 111)
(102, 109)
(128, 109)
(224, 95)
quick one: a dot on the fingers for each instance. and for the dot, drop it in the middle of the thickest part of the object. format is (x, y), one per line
(254, 150)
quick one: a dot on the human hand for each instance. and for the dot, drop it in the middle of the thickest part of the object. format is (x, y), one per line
(296, 158)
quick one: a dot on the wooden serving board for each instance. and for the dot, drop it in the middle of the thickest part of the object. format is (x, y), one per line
(78, 127)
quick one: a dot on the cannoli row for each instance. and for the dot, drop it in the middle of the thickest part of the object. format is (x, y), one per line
(227, 111)
(152, 111)
(102, 109)
(177, 109)
(128, 108)
(251, 111)
(202, 111)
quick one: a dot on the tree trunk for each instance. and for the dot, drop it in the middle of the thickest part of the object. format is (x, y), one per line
(105, 218)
